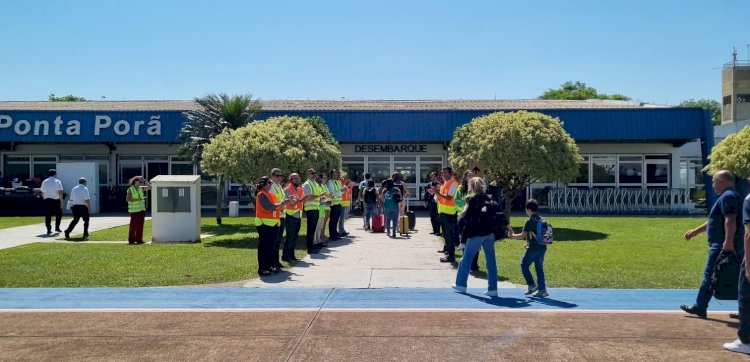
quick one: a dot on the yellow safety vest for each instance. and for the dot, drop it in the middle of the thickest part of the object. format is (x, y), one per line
(312, 204)
(137, 201)
(279, 192)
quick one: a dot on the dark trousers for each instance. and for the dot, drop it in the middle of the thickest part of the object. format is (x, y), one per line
(312, 221)
(52, 207)
(333, 223)
(292, 226)
(79, 212)
(135, 232)
(277, 240)
(461, 227)
(434, 217)
(266, 239)
(448, 223)
(704, 293)
(744, 306)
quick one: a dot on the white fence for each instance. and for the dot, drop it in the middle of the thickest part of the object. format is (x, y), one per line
(620, 201)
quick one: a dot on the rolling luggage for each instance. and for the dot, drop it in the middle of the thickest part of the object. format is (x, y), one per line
(403, 226)
(412, 217)
(378, 223)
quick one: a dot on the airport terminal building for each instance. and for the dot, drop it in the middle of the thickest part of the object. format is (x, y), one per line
(631, 151)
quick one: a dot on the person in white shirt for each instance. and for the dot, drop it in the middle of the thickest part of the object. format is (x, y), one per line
(80, 204)
(52, 196)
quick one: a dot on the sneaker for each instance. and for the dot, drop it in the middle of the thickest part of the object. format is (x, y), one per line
(737, 346)
(491, 293)
(67, 234)
(459, 289)
(530, 290)
(448, 259)
(540, 294)
(693, 310)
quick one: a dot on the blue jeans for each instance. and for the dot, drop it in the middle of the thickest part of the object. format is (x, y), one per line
(370, 211)
(534, 255)
(342, 219)
(704, 293)
(391, 216)
(744, 306)
(487, 242)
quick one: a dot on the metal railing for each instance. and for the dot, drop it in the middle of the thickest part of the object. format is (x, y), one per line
(620, 201)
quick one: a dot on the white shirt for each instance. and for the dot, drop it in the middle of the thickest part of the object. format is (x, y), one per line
(79, 195)
(50, 187)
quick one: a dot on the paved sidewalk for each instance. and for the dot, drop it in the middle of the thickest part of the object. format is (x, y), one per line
(367, 260)
(21, 235)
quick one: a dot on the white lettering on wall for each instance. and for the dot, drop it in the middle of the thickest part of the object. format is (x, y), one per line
(154, 126)
(74, 128)
(122, 128)
(38, 125)
(102, 125)
(101, 122)
(5, 121)
(22, 127)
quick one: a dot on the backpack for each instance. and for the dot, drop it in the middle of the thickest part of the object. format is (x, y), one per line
(371, 195)
(543, 235)
(491, 217)
(396, 197)
(725, 277)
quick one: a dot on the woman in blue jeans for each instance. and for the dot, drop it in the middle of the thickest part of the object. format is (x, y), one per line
(391, 207)
(479, 234)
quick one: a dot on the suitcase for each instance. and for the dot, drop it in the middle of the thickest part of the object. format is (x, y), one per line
(378, 223)
(403, 226)
(412, 217)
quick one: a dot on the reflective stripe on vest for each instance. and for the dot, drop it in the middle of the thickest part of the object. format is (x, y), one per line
(296, 208)
(446, 206)
(324, 205)
(264, 216)
(279, 192)
(137, 201)
(312, 204)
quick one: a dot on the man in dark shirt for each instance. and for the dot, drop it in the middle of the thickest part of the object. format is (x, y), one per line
(724, 232)
(742, 344)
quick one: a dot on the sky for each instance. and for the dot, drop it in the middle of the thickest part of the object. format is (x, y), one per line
(656, 51)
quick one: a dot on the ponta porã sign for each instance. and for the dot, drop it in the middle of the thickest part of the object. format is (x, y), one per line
(72, 127)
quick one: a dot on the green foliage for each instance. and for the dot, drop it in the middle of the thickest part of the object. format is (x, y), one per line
(215, 114)
(711, 104)
(322, 127)
(13, 221)
(290, 143)
(515, 149)
(732, 153)
(68, 98)
(578, 90)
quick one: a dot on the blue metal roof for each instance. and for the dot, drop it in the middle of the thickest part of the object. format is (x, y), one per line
(675, 125)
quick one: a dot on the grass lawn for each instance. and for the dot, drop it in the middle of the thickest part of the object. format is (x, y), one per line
(13, 221)
(612, 252)
(230, 255)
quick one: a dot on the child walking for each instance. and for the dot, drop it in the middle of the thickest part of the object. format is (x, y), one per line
(534, 252)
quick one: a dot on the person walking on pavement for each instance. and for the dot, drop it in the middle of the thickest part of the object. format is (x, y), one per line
(312, 209)
(136, 198)
(80, 202)
(446, 195)
(52, 194)
(293, 213)
(276, 178)
(268, 211)
(464, 192)
(724, 231)
(336, 190)
(742, 344)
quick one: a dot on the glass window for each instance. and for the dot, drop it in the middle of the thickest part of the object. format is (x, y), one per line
(48, 159)
(354, 170)
(16, 170)
(129, 170)
(431, 158)
(24, 159)
(657, 173)
(426, 168)
(130, 158)
(379, 158)
(103, 173)
(379, 171)
(353, 158)
(71, 158)
(40, 171)
(408, 171)
(583, 172)
(603, 169)
(157, 158)
(631, 170)
(695, 173)
(97, 158)
(404, 158)
(182, 168)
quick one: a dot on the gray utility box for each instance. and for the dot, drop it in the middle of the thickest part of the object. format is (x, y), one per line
(176, 208)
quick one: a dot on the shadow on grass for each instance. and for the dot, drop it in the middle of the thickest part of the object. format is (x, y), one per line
(565, 234)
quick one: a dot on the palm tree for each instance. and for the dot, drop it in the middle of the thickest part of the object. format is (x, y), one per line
(215, 114)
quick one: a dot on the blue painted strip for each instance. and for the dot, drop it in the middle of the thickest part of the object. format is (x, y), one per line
(392, 298)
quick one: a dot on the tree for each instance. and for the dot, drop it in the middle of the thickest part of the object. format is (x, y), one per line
(214, 115)
(711, 104)
(68, 98)
(733, 154)
(290, 143)
(579, 90)
(514, 150)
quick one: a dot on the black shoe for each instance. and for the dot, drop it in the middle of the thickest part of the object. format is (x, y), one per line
(693, 310)
(448, 259)
(139, 242)
(278, 265)
(49, 231)
(345, 234)
(67, 234)
(734, 315)
(264, 272)
(323, 245)
(58, 230)
(85, 236)
(274, 269)
(442, 251)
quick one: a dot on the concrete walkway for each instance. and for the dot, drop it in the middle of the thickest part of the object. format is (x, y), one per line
(21, 235)
(367, 260)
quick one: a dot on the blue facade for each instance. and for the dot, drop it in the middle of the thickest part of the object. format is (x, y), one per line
(674, 125)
